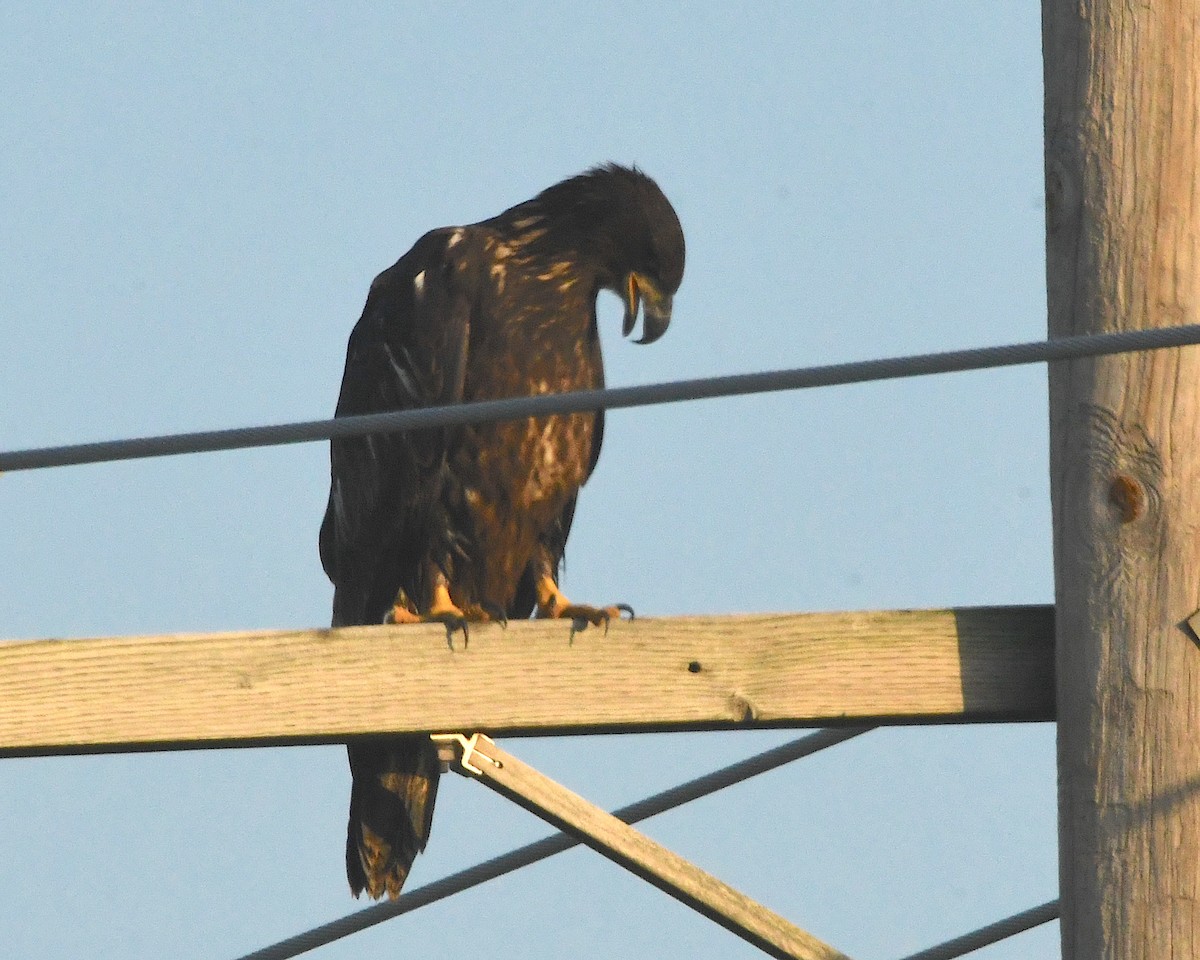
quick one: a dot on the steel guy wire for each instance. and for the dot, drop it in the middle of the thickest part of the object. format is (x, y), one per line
(614, 398)
(992, 933)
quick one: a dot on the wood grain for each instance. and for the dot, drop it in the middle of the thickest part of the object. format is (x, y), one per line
(1123, 252)
(321, 686)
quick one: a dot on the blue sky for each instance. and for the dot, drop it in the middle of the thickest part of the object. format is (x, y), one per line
(196, 199)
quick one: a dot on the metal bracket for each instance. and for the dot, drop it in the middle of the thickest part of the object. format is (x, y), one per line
(459, 748)
(1193, 623)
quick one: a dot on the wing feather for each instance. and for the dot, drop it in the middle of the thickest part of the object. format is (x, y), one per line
(407, 350)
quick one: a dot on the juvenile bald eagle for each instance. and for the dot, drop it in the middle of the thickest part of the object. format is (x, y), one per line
(469, 524)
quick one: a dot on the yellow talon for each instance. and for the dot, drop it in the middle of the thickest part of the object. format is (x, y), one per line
(442, 607)
(552, 604)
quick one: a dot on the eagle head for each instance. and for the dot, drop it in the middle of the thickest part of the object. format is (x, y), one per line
(647, 251)
(622, 226)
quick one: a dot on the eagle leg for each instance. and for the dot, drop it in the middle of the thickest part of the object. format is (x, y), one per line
(442, 609)
(552, 603)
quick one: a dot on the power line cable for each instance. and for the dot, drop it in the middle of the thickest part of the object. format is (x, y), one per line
(542, 405)
(992, 933)
(548, 846)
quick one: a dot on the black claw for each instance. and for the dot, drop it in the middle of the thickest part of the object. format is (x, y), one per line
(453, 625)
(626, 608)
(497, 613)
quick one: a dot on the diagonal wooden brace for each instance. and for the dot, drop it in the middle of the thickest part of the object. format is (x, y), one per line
(478, 756)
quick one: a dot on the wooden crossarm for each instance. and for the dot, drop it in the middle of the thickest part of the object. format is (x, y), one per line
(679, 673)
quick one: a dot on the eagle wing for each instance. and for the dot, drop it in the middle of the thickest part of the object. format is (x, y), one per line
(407, 350)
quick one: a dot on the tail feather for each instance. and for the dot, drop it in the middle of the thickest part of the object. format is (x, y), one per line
(391, 808)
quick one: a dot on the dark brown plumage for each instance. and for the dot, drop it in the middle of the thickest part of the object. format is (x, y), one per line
(471, 523)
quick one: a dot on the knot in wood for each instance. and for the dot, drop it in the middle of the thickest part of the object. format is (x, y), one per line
(1061, 198)
(1129, 497)
(741, 708)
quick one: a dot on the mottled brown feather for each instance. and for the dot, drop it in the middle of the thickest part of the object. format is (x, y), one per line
(391, 808)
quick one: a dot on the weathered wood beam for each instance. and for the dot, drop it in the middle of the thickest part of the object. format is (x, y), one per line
(684, 673)
(1122, 124)
(612, 838)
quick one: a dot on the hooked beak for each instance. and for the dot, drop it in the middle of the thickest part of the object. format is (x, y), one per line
(656, 308)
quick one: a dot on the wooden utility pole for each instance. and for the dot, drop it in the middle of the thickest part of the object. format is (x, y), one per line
(1122, 130)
